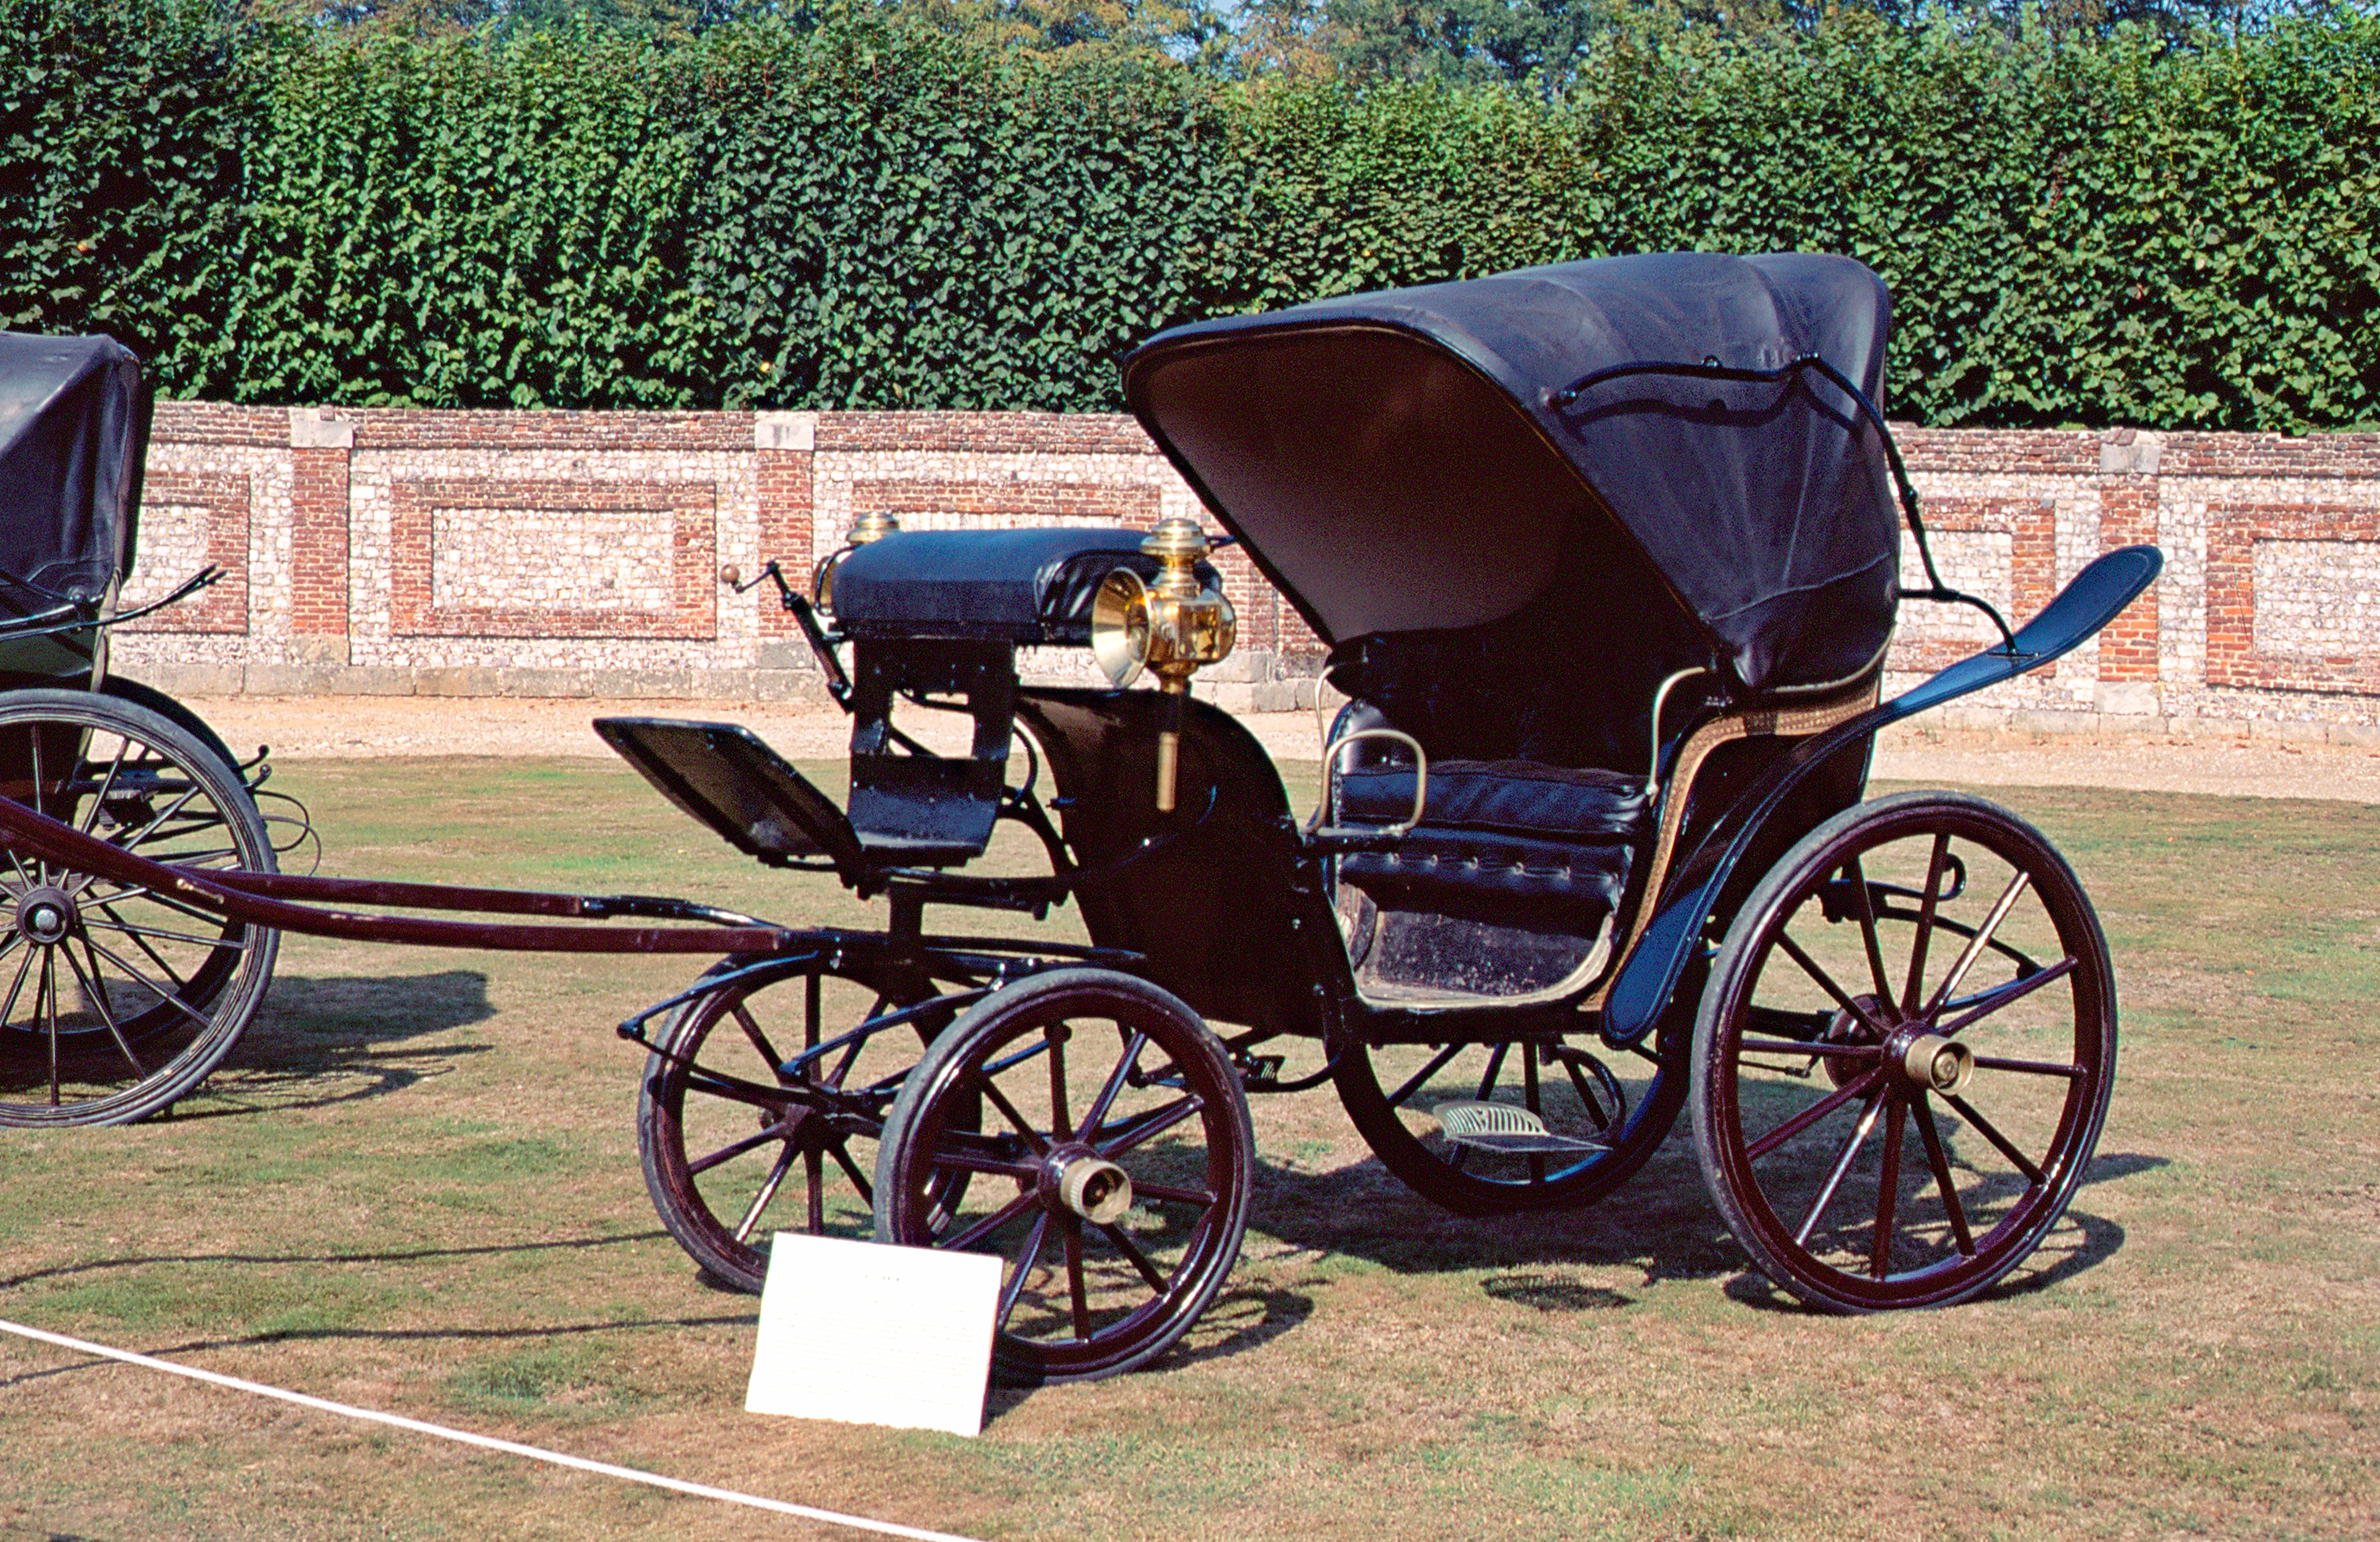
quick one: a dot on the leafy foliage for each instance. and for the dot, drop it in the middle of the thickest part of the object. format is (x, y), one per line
(855, 212)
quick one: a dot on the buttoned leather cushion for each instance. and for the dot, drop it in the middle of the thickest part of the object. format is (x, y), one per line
(1508, 843)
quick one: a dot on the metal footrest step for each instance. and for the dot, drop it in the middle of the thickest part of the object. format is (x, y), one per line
(1507, 1131)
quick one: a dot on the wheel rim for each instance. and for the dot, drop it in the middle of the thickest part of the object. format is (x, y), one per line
(1578, 1088)
(1906, 1055)
(737, 1145)
(115, 1000)
(1079, 1078)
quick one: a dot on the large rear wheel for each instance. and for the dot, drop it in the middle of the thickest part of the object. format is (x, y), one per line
(763, 1099)
(1904, 1056)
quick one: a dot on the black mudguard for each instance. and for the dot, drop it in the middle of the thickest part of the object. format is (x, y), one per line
(1213, 900)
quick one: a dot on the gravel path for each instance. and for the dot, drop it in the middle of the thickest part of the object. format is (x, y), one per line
(350, 727)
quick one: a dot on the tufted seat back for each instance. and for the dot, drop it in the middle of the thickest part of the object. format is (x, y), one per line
(1507, 842)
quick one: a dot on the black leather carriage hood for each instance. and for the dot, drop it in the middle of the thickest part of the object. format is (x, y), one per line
(1406, 460)
(72, 429)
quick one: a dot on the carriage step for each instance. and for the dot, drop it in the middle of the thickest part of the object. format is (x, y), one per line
(1507, 1131)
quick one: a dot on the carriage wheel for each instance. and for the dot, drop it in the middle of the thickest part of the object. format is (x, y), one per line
(1113, 1164)
(1903, 1059)
(1602, 1113)
(115, 1001)
(735, 1147)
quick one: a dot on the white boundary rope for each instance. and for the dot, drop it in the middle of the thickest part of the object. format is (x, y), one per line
(487, 1442)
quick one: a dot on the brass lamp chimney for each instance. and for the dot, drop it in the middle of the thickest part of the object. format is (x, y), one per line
(1171, 627)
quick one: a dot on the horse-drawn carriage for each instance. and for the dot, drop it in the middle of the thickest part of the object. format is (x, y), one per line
(1607, 556)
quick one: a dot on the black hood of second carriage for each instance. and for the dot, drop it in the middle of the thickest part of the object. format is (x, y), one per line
(1397, 461)
(73, 426)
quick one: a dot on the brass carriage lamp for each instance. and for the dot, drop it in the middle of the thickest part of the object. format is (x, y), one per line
(1171, 627)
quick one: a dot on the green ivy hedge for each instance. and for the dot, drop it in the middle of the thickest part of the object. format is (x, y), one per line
(867, 216)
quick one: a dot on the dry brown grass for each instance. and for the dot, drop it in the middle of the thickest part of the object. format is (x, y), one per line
(416, 1189)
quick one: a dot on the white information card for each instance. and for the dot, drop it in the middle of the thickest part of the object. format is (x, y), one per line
(875, 1335)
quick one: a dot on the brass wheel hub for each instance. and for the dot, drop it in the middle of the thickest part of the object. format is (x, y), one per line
(1928, 1061)
(1084, 1184)
(46, 916)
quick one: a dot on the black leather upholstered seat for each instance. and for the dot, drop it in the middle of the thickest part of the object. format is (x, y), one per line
(1510, 842)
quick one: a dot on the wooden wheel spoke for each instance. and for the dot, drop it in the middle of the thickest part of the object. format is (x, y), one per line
(1985, 1127)
(1857, 1138)
(1979, 942)
(768, 1191)
(134, 842)
(1807, 1047)
(1123, 1244)
(1023, 1127)
(1939, 1160)
(1888, 1190)
(960, 1153)
(760, 1040)
(123, 748)
(116, 895)
(142, 942)
(168, 997)
(1025, 1257)
(1983, 1004)
(48, 990)
(1071, 1240)
(2030, 1067)
(1587, 1097)
(116, 923)
(1927, 907)
(1061, 1127)
(1826, 982)
(1420, 1078)
(9, 1009)
(97, 997)
(702, 1079)
(1495, 1067)
(1134, 1042)
(1203, 1199)
(1812, 1114)
(840, 1152)
(1869, 940)
(959, 1242)
(734, 1149)
(1114, 1140)
(814, 1195)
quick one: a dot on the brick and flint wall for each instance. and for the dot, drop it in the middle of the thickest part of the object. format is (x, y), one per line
(578, 554)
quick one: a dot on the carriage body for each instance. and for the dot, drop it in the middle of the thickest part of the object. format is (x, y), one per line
(1607, 557)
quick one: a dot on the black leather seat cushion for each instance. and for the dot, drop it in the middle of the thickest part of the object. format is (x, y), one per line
(1033, 585)
(1508, 843)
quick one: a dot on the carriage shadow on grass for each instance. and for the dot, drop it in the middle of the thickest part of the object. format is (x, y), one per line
(1663, 1227)
(320, 1041)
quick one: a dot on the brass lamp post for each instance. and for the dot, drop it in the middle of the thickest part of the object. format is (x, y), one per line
(1170, 627)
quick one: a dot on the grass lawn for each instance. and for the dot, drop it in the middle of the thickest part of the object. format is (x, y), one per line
(415, 1187)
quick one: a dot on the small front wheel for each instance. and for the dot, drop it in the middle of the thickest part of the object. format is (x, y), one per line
(1903, 1059)
(762, 1101)
(1108, 1140)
